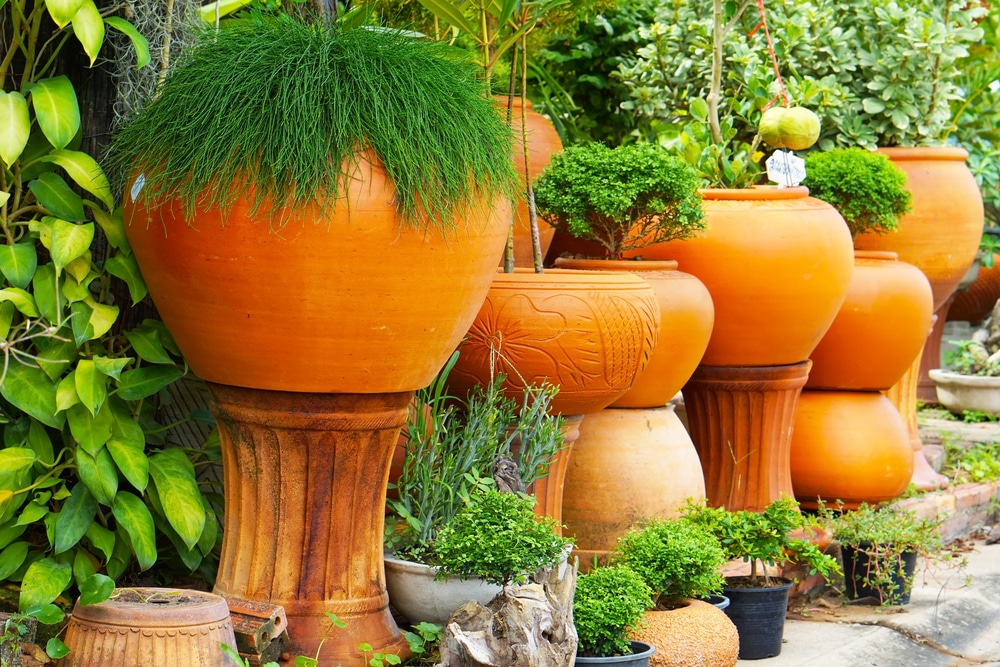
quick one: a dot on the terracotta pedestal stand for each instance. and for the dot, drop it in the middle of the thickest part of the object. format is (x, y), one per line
(548, 490)
(740, 420)
(305, 479)
(903, 395)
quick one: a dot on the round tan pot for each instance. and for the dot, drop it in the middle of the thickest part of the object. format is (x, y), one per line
(150, 627)
(686, 318)
(696, 635)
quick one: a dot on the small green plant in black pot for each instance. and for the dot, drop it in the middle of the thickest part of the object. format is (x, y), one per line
(623, 198)
(609, 603)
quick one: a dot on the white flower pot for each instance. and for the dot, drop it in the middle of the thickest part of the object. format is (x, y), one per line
(967, 392)
(418, 596)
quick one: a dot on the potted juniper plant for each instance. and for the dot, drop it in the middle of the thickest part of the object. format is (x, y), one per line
(681, 562)
(455, 449)
(880, 546)
(292, 205)
(609, 604)
(758, 601)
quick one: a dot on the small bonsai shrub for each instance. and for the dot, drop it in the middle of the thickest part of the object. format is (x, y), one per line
(609, 603)
(763, 538)
(498, 538)
(677, 559)
(866, 188)
(624, 198)
(884, 535)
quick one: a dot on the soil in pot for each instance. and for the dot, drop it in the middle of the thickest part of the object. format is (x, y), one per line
(858, 571)
(759, 616)
(641, 653)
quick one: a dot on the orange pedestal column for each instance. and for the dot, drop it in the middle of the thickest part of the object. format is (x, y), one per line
(305, 480)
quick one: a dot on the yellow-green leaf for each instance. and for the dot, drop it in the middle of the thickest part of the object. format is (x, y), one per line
(139, 42)
(85, 172)
(78, 269)
(133, 515)
(6, 317)
(56, 110)
(91, 386)
(63, 11)
(132, 461)
(66, 396)
(89, 28)
(15, 126)
(21, 299)
(126, 268)
(15, 459)
(174, 478)
(69, 241)
(18, 263)
(42, 583)
(29, 389)
(102, 318)
(74, 518)
(91, 431)
(57, 197)
(112, 225)
(99, 474)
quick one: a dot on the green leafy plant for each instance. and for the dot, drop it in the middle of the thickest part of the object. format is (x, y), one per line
(972, 357)
(81, 479)
(451, 444)
(978, 463)
(884, 534)
(609, 603)
(763, 538)
(866, 188)
(294, 114)
(498, 538)
(624, 198)
(977, 417)
(678, 559)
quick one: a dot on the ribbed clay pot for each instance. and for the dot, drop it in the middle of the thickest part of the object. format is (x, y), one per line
(879, 330)
(849, 446)
(686, 318)
(974, 304)
(543, 143)
(150, 627)
(695, 635)
(627, 465)
(777, 263)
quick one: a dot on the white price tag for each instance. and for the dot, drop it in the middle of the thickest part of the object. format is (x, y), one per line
(140, 182)
(785, 168)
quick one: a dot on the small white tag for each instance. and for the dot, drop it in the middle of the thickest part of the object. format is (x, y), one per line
(140, 182)
(785, 168)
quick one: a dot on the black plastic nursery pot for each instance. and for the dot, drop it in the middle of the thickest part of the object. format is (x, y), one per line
(857, 582)
(759, 617)
(641, 653)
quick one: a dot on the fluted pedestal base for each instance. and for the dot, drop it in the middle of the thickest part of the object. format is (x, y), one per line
(305, 479)
(930, 358)
(740, 418)
(548, 490)
(903, 395)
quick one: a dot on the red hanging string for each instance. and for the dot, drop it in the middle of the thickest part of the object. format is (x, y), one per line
(783, 95)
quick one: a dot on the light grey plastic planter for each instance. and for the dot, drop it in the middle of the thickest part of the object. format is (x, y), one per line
(967, 392)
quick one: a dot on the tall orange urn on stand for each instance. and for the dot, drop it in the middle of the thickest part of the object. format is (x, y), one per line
(849, 443)
(634, 459)
(590, 333)
(311, 372)
(778, 264)
(940, 236)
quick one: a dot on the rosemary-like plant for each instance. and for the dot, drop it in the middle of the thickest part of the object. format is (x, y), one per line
(280, 112)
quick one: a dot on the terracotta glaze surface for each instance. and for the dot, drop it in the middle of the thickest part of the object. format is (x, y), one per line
(305, 478)
(880, 328)
(977, 302)
(850, 446)
(777, 263)
(549, 490)
(354, 300)
(686, 319)
(696, 635)
(589, 332)
(627, 465)
(740, 419)
(150, 627)
(940, 235)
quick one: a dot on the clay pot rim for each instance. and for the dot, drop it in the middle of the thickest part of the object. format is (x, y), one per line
(569, 278)
(883, 255)
(731, 584)
(755, 193)
(634, 264)
(921, 153)
(945, 376)
(200, 607)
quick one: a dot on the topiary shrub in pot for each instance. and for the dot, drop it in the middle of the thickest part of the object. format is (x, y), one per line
(680, 561)
(758, 602)
(608, 606)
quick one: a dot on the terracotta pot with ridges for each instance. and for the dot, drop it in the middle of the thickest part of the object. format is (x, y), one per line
(974, 304)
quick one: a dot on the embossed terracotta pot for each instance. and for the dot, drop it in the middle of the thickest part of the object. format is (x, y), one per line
(150, 627)
(686, 317)
(543, 143)
(589, 332)
(974, 304)
(352, 302)
(695, 634)
(880, 328)
(851, 446)
(777, 263)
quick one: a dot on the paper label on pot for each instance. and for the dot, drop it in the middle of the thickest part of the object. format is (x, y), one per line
(140, 182)
(785, 168)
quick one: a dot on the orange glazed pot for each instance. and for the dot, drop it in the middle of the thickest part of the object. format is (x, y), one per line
(686, 318)
(851, 446)
(589, 332)
(543, 143)
(880, 328)
(777, 263)
(352, 302)
(974, 304)
(940, 236)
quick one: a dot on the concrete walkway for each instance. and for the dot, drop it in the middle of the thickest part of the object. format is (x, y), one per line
(946, 624)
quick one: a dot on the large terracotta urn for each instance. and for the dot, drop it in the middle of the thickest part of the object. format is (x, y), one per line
(313, 337)
(778, 265)
(591, 333)
(940, 236)
(975, 303)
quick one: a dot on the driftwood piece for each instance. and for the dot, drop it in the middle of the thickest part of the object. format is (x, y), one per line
(525, 626)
